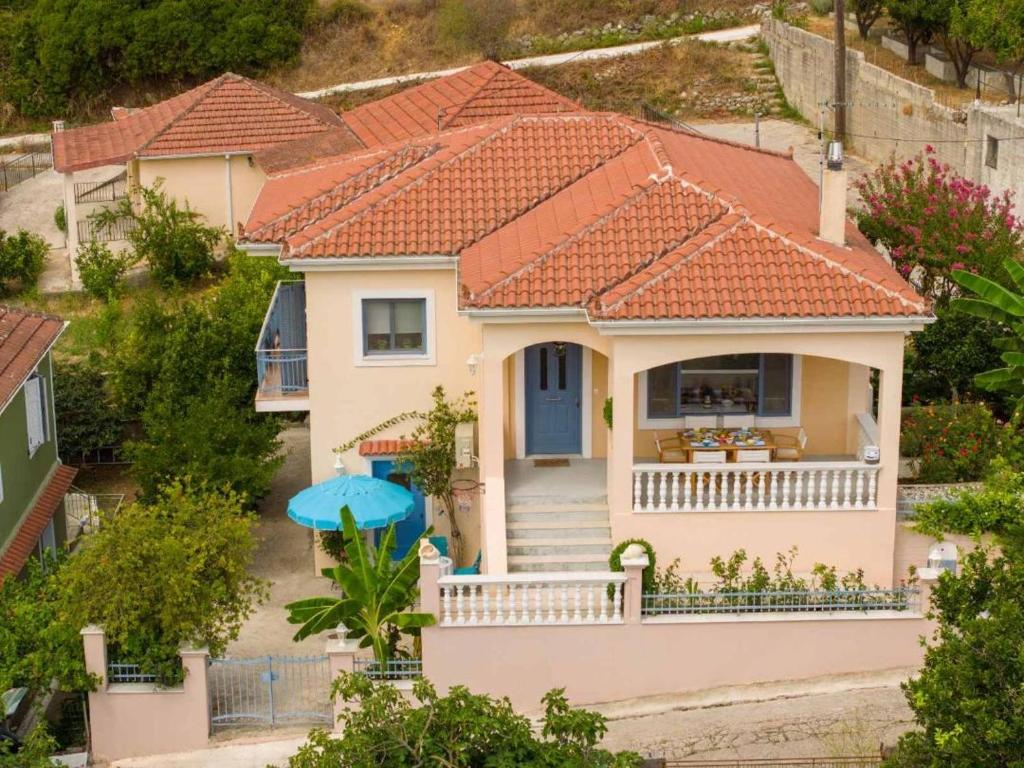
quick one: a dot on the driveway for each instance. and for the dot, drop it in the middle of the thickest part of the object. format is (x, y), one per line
(30, 205)
(284, 558)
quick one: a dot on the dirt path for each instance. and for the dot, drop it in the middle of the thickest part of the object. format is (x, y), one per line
(284, 558)
(824, 725)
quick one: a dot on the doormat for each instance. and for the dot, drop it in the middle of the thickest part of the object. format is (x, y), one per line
(551, 462)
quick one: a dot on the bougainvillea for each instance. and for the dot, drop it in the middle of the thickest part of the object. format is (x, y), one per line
(932, 220)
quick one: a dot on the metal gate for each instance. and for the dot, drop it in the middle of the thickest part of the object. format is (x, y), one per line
(270, 690)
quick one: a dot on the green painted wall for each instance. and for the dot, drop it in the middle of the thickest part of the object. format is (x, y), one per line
(23, 476)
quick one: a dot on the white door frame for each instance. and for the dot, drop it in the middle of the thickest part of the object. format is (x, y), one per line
(586, 404)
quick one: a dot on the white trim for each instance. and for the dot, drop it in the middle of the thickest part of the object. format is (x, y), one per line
(259, 249)
(388, 263)
(281, 404)
(762, 325)
(529, 314)
(230, 199)
(793, 420)
(520, 399)
(52, 426)
(144, 158)
(427, 357)
(586, 405)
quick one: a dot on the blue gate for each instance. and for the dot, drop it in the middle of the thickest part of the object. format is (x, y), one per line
(270, 690)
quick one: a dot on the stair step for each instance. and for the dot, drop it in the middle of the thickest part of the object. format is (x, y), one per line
(566, 547)
(585, 529)
(559, 559)
(557, 567)
(556, 513)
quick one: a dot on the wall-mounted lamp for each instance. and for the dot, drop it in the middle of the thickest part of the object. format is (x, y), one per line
(339, 466)
(472, 362)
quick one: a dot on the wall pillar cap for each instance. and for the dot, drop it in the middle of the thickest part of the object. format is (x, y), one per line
(929, 574)
(429, 554)
(91, 629)
(192, 651)
(634, 556)
(342, 645)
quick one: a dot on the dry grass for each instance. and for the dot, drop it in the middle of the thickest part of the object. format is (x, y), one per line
(874, 53)
(679, 79)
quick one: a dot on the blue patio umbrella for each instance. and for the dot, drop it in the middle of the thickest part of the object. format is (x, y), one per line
(374, 503)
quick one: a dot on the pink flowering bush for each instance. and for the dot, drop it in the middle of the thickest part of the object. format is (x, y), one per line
(932, 221)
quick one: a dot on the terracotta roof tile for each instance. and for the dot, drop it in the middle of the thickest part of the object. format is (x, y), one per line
(19, 547)
(228, 114)
(384, 447)
(602, 212)
(24, 338)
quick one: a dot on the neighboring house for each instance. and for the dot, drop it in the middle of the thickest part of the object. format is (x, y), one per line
(33, 481)
(550, 262)
(202, 142)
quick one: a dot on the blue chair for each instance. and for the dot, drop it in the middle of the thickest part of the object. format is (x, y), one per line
(471, 570)
(441, 542)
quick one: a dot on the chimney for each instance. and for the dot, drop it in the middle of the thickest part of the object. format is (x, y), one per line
(58, 126)
(832, 216)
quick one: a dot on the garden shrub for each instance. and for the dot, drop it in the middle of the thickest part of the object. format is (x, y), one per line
(954, 442)
(996, 508)
(101, 270)
(344, 12)
(87, 419)
(60, 218)
(22, 258)
(615, 561)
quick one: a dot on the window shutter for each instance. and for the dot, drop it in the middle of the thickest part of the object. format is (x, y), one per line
(34, 413)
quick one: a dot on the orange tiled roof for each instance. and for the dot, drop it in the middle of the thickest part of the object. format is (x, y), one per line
(24, 338)
(228, 114)
(383, 447)
(621, 218)
(16, 552)
(473, 95)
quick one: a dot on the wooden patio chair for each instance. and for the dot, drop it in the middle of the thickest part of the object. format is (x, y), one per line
(701, 422)
(671, 449)
(754, 456)
(739, 421)
(790, 448)
(716, 457)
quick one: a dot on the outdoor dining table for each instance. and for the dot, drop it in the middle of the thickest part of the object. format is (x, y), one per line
(728, 440)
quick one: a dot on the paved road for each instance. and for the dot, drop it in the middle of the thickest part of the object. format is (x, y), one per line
(551, 60)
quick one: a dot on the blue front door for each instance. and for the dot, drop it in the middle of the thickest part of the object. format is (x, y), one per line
(554, 382)
(409, 531)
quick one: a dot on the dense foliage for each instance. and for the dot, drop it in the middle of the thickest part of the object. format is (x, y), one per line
(933, 221)
(185, 366)
(866, 12)
(86, 418)
(917, 20)
(997, 508)
(56, 52)
(458, 730)
(995, 25)
(101, 270)
(174, 241)
(967, 697)
(181, 568)
(377, 594)
(954, 443)
(22, 257)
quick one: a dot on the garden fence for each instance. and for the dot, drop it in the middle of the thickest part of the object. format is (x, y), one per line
(787, 601)
(24, 167)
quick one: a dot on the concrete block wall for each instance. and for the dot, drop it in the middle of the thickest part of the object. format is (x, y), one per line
(892, 116)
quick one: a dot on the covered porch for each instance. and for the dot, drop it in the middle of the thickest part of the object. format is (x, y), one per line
(706, 443)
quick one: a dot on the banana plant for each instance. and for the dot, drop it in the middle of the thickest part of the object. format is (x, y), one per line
(377, 594)
(992, 301)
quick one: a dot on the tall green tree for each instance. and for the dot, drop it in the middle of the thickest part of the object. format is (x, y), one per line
(996, 26)
(917, 20)
(867, 12)
(959, 46)
(377, 594)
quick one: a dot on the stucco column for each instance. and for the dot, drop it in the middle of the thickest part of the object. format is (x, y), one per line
(620, 454)
(94, 642)
(71, 220)
(341, 657)
(633, 560)
(492, 464)
(890, 407)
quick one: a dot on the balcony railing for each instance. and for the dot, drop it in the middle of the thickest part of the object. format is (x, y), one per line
(789, 601)
(755, 487)
(281, 351)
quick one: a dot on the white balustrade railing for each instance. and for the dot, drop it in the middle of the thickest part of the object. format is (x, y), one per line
(531, 599)
(754, 487)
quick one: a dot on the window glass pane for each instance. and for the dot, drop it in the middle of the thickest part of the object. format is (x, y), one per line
(662, 391)
(561, 368)
(543, 367)
(777, 386)
(377, 326)
(409, 325)
(722, 362)
(718, 391)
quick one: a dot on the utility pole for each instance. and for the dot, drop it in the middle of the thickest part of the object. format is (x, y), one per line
(839, 91)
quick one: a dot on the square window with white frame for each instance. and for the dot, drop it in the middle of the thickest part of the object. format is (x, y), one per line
(394, 327)
(36, 409)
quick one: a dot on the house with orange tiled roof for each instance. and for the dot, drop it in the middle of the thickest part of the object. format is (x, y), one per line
(213, 145)
(33, 481)
(668, 336)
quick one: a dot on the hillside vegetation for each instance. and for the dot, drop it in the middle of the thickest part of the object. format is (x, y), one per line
(76, 58)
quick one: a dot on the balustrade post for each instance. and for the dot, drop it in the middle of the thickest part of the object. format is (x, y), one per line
(430, 572)
(634, 559)
(341, 657)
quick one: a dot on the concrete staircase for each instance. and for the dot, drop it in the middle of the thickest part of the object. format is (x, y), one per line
(558, 535)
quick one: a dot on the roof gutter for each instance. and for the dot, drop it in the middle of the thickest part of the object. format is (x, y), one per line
(528, 314)
(764, 324)
(260, 249)
(363, 263)
(43, 354)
